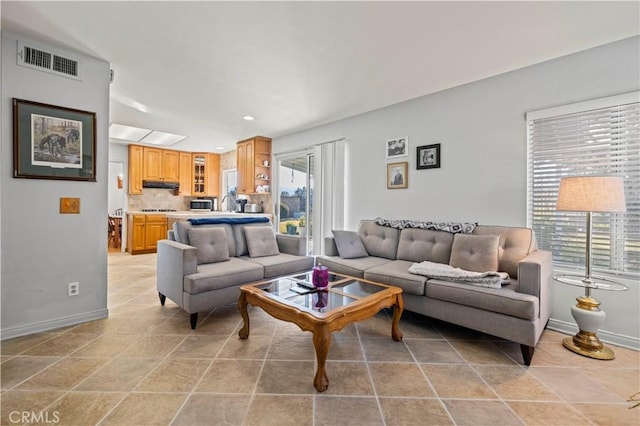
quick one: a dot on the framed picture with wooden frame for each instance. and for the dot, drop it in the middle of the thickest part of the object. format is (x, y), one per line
(53, 142)
(428, 157)
(398, 175)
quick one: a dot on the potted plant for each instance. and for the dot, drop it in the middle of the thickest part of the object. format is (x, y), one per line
(302, 226)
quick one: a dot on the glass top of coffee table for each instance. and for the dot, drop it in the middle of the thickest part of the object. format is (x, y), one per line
(299, 290)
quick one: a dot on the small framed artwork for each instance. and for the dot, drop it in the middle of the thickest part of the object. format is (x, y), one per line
(428, 157)
(397, 175)
(398, 147)
(52, 142)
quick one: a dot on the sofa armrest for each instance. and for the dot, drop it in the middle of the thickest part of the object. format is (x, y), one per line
(174, 261)
(330, 247)
(535, 274)
(292, 244)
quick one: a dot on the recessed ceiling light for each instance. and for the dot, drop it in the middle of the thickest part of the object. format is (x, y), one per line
(162, 138)
(248, 118)
(127, 133)
(220, 148)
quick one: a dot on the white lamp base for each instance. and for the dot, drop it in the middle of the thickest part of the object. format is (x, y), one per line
(589, 318)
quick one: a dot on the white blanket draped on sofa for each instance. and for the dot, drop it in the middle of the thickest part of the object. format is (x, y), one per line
(445, 272)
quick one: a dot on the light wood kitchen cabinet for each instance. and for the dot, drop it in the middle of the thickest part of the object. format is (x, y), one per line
(135, 169)
(184, 174)
(206, 174)
(135, 233)
(253, 161)
(144, 231)
(160, 164)
(155, 229)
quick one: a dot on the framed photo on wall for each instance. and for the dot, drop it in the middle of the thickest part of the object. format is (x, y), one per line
(398, 175)
(398, 147)
(428, 157)
(52, 142)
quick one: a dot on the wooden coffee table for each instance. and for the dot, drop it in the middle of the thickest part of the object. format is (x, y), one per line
(345, 301)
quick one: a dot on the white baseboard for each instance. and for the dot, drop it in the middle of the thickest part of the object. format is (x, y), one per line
(39, 327)
(605, 336)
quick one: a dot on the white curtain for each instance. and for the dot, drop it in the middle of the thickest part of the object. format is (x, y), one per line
(329, 193)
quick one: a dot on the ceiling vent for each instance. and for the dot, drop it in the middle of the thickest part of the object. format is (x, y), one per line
(31, 56)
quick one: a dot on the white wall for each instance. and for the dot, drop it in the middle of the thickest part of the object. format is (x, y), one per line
(482, 129)
(42, 250)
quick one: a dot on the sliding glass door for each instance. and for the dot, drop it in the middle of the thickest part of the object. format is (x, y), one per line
(295, 184)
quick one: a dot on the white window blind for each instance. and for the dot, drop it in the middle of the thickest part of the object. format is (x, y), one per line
(600, 137)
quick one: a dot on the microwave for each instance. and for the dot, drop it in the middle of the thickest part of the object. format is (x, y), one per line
(203, 205)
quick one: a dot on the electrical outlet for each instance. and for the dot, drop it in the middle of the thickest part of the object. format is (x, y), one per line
(74, 289)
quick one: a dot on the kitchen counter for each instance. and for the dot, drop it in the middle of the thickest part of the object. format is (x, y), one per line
(184, 215)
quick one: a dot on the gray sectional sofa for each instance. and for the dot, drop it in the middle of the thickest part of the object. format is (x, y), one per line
(517, 311)
(202, 266)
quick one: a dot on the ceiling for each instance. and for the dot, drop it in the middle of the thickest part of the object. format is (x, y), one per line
(196, 68)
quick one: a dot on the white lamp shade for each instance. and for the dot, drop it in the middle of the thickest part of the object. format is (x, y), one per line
(591, 194)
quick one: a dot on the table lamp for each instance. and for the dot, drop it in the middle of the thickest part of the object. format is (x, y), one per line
(590, 194)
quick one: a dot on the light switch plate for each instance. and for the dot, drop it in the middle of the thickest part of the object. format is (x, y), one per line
(69, 205)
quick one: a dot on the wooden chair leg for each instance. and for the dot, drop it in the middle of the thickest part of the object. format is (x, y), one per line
(162, 298)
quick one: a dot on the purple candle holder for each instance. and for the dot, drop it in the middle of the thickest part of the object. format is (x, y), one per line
(320, 276)
(321, 299)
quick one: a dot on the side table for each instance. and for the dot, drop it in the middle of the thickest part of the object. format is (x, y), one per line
(588, 316)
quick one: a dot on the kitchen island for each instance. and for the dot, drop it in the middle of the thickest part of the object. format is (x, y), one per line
(146, 228)
(184, 215)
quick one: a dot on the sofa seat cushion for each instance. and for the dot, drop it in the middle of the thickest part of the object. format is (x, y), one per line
(504, 301)
(215, 276)
(282, 264)
(397, 273)
(351, 267)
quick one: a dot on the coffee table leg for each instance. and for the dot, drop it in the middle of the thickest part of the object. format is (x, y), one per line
(321, 342)
(242, 306)
(396, 334)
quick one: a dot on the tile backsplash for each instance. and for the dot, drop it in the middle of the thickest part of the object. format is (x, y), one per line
(153, 198)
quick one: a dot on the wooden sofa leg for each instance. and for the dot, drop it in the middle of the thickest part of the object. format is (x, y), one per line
(527, 353)
(162, 298)
(194, 320)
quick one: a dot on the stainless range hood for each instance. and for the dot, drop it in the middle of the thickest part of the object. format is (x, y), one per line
(174, 186)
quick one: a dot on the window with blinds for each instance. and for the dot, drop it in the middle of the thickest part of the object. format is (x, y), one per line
(600, 137)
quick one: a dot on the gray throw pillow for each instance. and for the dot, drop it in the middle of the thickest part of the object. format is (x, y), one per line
(261, 241)
(211, 243)
(349, 244)
(477, 253)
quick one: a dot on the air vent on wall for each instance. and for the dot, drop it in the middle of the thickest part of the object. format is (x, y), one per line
(34, 57)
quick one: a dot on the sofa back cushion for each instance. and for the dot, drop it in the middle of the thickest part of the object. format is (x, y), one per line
(211, 244)
(418, 245)
(349, 244)
(181, 233)
(477, 253)
(261, 241)
(242, 249)
(378, 240)
(514, 245)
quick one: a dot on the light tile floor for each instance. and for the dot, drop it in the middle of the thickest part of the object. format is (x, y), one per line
(144, 365)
